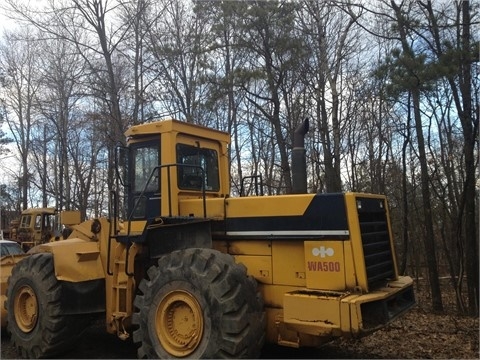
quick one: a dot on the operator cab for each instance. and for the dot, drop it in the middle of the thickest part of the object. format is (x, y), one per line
(169, 160)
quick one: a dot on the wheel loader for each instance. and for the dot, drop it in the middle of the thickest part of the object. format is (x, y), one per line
(187, 271)
(40, 225)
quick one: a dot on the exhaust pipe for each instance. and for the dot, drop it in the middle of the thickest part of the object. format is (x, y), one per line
(299, 161)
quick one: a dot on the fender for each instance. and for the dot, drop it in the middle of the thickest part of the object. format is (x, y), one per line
(75, 260)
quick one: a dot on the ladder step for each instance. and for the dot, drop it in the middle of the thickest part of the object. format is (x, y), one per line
(119, 314)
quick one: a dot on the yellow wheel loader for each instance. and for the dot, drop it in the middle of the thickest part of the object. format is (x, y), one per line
(191, 272)
(40, 225)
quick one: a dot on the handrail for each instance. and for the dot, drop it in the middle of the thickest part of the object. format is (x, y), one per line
(113, 202)
(137, 202)
(126, 261)
(169, 187)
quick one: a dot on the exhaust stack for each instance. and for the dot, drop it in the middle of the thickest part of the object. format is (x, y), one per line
(299, 162)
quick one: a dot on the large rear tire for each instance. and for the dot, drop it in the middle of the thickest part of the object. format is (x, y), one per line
(198, 303)
(36, 320)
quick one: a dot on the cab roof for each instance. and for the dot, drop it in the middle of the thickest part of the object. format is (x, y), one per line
(31, 211)
(172, 125)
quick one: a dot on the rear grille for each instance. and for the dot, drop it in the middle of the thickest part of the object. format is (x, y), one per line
(375, 240)
(377, 313)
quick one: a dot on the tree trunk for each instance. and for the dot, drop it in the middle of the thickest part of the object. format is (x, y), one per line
(469, 188)
(466, 226)
(406, 207)
(429, 239)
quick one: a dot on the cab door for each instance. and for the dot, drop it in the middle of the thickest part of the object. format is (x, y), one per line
(144, 198)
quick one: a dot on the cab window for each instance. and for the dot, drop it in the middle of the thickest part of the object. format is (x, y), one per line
(192, 160)
(25, 222)
(38, 222)
(145, 160)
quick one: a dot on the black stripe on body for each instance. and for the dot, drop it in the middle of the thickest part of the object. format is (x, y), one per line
(325, 217)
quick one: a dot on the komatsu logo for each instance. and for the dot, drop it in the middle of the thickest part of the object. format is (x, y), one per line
(325, 260)
(322, 251)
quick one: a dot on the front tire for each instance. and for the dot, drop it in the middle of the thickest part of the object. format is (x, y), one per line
(198, 303)
(36, 320)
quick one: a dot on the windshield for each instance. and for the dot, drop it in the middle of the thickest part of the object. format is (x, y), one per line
(11, 249)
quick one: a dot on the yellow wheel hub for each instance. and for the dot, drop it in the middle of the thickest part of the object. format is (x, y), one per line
(179, 323)
(26, 308)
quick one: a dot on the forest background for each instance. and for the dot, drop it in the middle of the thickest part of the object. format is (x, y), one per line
(391, 89)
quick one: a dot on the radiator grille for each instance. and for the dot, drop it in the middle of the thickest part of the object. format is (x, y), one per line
(375, 240)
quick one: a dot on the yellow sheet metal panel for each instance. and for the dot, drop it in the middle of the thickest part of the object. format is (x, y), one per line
(345, 323)
(325, 265)
(281, 333)
(250, 247)
(83, 231)
(194, 207)
(401, 282)
(135, 227)
(354, 317)
(273, 294)
(288, 263)
(313, 312)
(350, 274)
(76, 260)
(70, 217)
(271, 205)
(303, 333)
(260, 267)
(356, 240)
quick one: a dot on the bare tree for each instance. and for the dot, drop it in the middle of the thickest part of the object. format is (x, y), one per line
(274, 53)
(63, 72)
(178, 45)
(88, 161)
(461, 66)
(138, 101)
(414, 82)
(436, 57)
(225, 96)
(332, 41)
(91, 27)
(19, 56)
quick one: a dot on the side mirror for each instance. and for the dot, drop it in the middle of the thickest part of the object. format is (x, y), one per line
(121, 164)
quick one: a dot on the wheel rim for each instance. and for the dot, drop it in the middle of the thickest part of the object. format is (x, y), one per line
(179, 323)
(26, 308)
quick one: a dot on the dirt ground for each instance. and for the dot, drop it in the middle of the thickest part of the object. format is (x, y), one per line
(420, 334)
